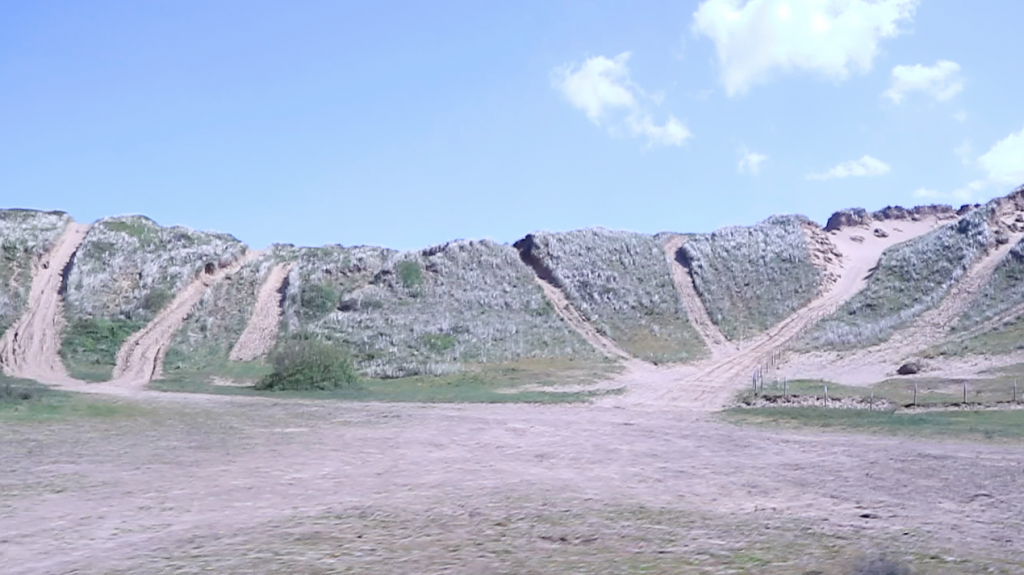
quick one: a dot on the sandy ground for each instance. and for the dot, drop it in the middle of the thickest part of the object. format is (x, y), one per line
(261, 332)
(233, 486)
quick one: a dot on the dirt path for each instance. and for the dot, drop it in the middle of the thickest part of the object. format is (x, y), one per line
(141, 357)
(714, 339)
(31, 347)
(711, 384)
(261, 331)
(578, 323)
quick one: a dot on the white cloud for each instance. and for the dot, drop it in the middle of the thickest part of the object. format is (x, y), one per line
(602, 89)
(828, 37)
(1003, 166)
(598, 85)
(941, 81)
(866, 166)
(1004, 162)
(750, 161)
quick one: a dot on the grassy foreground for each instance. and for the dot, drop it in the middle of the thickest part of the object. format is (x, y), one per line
(973, 425)
(968, 422)
(525, 381)
(27, 401)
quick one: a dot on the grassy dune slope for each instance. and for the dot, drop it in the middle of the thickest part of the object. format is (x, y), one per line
(425, 312)
(751, 278)
(621, 282)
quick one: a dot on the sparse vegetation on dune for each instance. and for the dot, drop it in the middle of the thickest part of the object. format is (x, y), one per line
(424, 312)
(621, 283)
(911, 278)
(25, 235)
(129, 268)
(751, 278)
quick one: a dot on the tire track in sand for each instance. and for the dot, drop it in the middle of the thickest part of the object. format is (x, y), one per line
(578, 323)
(141, 357)
(261, 332)
(713, 337)
(31, 347)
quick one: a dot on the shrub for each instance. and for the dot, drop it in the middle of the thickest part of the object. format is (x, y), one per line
(308, 364)
(410, 274)
(156, 299)
(319, 299)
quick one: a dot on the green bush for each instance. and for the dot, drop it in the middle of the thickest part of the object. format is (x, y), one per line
(156, 299)
(319, 299)
(410, 274)
(308, 364)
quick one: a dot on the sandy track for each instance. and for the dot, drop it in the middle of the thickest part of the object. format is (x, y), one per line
(713, 337)
(30, 348)
(261, 331)
(577, 322)
(141, 357)
(711, 384)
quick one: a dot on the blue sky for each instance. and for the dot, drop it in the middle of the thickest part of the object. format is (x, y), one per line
(407, 124)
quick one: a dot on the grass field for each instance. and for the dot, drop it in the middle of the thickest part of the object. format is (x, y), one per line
(967, 423)
(27, 401)
(524, 381)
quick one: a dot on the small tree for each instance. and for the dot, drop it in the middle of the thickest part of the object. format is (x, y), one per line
(410, 274)
(308, 364)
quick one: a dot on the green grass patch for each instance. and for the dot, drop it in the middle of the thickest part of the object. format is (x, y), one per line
(974, 425)
(27, 401)
(90, 345)
(518, 382)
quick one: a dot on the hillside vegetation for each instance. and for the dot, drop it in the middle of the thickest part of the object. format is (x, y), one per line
(424, 312)
(127, 270)
(751, 278)
(911, 278)
(25, 235)
(621, 283)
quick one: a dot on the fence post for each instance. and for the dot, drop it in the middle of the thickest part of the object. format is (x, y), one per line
(753, 380)
(1015, 391)
(785, 388)
(915, 394)
(825, 396)
(965, 393)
